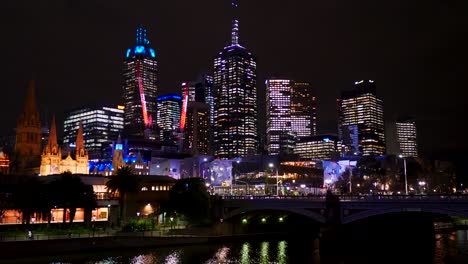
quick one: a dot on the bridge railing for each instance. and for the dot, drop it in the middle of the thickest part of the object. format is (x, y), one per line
(351, 198)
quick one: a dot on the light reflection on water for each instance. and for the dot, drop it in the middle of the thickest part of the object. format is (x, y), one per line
(451, 247)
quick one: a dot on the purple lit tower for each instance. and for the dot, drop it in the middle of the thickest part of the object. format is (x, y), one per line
(235, 99)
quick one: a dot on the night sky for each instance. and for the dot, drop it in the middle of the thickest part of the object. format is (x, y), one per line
(416, 51)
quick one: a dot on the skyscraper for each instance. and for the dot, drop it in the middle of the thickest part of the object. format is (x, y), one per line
(291, 112)
(406, 138)
(101, 126)
(235, 100)
(361, 120)
(200, 92)
(140, 78)
(197, 129)
(303, 109)
(168, 116)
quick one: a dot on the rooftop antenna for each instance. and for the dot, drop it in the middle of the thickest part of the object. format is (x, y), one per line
(235, 24)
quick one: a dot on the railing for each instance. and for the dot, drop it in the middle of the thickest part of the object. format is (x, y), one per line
(41, 236)
(350, 198)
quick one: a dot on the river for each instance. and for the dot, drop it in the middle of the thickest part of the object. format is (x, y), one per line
(447, 248)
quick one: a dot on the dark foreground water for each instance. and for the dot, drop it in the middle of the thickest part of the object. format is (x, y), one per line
(448, 247)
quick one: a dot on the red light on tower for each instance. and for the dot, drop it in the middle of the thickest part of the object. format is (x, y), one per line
(183, 117)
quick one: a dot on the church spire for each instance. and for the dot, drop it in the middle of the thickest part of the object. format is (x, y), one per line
(235, 25)
(80, 140)
(30, 105)
(52, 146)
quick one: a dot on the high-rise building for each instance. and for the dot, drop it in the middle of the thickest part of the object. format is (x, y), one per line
(101, 126)
(168, 116)
(406, 138)
(235, 100)
(140, 85)
(197, 129)
(291, 113)
(361, 120)
(28, 136)
(303, 109)
(200, 92)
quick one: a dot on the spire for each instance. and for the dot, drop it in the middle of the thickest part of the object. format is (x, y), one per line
(79, 138)
(141, 39)
(235, 25)
(119, 140)
(52, 134)
(30, 105)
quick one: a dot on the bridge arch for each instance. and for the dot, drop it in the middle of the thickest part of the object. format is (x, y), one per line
(317, 217)
(374, 212)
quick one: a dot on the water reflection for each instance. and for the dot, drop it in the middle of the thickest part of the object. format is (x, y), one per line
(244, 254)
(450, 247)
(173, 258)
(264, 254)
(282, 257)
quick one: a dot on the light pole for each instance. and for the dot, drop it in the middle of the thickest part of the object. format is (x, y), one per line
(271, 165)
(404, 169)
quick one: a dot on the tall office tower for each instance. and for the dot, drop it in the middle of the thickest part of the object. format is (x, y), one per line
(235, 100)
(168, 116)
(278, 112)
(362, 120)
(197, 129)
(140, 78)
(28, 135)
(303, 109)
(291, 113)
(406, 138)
(101, 126)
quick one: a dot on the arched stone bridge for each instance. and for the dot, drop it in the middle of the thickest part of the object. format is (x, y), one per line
(349, 209)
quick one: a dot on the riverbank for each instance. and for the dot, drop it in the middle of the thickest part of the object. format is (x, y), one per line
(22, 249)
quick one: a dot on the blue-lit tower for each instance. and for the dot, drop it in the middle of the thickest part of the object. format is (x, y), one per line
(140, 85)
(235, 99)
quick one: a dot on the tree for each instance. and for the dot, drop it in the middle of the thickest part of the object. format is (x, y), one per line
(190, 198)
(120, 185)
(26, 197)
(69, 192)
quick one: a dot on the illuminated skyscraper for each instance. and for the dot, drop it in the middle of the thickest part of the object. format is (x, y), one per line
(361, 120)
(291, 113)
(406, 138)
(235, 100)
(200, 92)
(101, 126)
(168, 116)
(140, 78)
(197, 129)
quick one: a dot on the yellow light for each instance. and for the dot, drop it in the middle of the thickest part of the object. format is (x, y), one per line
(120, 107)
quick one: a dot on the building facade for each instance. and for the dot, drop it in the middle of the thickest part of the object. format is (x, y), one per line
(235, 100)
(51, 158)
(361, 120)
(168, 115)
(291, 113)
(407, 138)
(319, 147)
(197, 129)
(101, 126)
(140, 87)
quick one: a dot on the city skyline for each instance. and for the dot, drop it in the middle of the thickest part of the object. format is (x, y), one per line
(412, 50)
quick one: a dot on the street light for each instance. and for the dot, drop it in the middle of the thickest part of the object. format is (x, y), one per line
(404, 169)
(271, 165)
